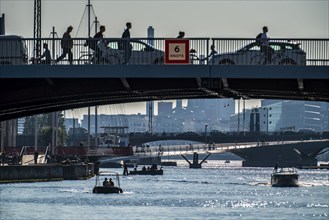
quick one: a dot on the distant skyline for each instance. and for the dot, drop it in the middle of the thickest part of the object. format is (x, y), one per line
(139, 107)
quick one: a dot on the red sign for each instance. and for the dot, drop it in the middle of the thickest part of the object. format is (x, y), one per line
(177, 51)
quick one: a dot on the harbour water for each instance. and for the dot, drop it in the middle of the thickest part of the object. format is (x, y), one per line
(217, 191)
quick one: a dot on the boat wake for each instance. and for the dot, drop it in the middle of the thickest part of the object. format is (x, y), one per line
(313, 184)
(85, 190)
(260, 184)
(187, 181)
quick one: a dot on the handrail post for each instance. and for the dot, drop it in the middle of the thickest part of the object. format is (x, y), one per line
(207, 50)
(53, 42)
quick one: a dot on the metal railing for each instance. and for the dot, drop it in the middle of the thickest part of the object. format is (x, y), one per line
(140, 51)
(209, 148)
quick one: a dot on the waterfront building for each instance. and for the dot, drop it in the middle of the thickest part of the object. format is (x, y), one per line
(137, 123)
(71, 123)
(285, 114)
(168, 124)
(240, 121)
(297, 114)
(164, 108)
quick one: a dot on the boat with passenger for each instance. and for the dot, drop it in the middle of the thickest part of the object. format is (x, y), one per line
(105, 185)
(147, 171)
(284, 177)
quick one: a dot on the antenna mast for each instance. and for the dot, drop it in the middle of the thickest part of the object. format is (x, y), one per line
(89, 6)
(37, 28)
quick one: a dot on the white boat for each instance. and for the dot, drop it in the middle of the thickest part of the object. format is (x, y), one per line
(284, 177)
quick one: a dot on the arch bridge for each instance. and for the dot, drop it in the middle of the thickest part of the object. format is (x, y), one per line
(205, 138)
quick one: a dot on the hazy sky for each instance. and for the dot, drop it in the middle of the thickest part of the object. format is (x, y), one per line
(204, 18)
(208, 18)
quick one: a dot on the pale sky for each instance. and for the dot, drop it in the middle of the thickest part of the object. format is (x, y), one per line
(203, 18)
(207, 18)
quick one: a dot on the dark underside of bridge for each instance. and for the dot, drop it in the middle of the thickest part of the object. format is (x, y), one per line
(22, 96)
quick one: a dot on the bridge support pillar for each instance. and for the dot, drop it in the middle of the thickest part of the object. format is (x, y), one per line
(195, 164)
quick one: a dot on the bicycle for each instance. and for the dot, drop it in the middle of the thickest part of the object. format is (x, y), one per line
(88, 58)
(278, 58)
(107, 58)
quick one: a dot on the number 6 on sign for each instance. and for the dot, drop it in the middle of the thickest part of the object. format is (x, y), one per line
(177, 51)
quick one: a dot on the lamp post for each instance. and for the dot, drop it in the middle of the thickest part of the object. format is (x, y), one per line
(73, 129)
(205, 133)
(239, 116)
(244, 117)
(96, 127)
(35, 132)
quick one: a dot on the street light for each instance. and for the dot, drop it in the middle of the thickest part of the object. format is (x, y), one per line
(205, 133)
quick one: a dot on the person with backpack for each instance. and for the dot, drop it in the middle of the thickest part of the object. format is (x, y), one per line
(67, 45)
(98, 36)
(263, 40)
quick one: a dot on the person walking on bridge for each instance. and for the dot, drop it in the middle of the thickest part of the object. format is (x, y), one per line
(125, 44)
(67, 45)
(98, 37)
(181, 34)
(265, 47)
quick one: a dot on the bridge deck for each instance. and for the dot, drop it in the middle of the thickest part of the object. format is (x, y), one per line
(206, 149)
(33, 89)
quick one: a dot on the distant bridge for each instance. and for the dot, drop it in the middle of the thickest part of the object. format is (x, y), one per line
(33, 89)
(140, 139)
(262, 154)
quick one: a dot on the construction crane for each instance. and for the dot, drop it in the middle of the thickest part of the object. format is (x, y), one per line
(37, 28)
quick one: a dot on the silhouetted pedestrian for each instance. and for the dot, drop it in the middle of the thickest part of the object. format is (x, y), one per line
(125, 44)
(99, 36)
(46, 55)
(67, 45)
(276, 167)
(264, 46)
(211, 54)
(181, 34)
(36, 155)
(125, 169)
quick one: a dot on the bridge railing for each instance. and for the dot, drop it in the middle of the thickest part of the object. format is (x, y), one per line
(195, 148)
(283, 51)
(209, 148)
(140, 51)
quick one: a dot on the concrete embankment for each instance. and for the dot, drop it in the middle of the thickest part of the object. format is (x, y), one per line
(45, 172)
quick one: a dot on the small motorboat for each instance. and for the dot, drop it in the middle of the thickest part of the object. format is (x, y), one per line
(284, 177)
(146, 172)
(151, 171)
(105, 186)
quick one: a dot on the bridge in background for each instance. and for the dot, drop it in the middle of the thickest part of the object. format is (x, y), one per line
(261, 154)
(138, 139)
(33, 89)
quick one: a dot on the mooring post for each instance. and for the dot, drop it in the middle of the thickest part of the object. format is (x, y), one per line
(195, 164)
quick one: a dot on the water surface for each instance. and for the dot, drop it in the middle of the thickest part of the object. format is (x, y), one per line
(217, 191)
